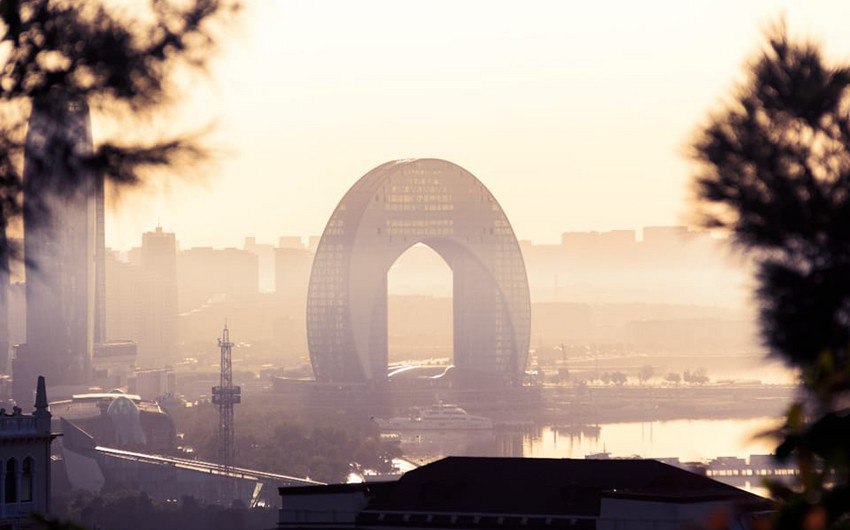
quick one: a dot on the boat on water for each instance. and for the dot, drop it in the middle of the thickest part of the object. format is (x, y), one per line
(442, 417)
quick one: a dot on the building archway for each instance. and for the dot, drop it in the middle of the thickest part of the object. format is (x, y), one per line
(390, 209)
(419, 313)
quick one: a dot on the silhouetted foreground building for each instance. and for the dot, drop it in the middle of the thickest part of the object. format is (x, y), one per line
(468, 493)
(92, 465)
(393, 207)
(25, 462)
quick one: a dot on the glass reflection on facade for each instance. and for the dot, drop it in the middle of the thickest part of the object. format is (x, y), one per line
(64, 250)
(390, 209)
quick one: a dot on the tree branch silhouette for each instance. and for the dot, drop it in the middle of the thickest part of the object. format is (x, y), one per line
(119, 63)
(775, 175)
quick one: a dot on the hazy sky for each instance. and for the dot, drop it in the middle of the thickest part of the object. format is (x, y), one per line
(575, 114)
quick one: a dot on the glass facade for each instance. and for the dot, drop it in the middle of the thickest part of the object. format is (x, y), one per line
(63, 207)
(390, 209)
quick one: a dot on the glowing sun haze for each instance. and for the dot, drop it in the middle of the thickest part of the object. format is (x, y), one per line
(576, 115)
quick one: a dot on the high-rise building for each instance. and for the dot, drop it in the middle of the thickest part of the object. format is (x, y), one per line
(125, 283)
(113, 362)
(5, 330)
(159, 253)
(142, 299)
(665, 236)
(393, 207)
(158, 339)
(265, 263)
(99, 263)
(204, 273)
(313, 243)
(61, 226)
(290, 242)
(292, 274)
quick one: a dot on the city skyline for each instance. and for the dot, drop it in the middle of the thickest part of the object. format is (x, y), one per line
(576, 117)
(309, 241)
(456, 243)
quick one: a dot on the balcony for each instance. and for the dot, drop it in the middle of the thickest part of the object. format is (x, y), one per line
(11, 425)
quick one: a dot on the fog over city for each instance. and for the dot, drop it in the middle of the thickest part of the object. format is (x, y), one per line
(434, 264)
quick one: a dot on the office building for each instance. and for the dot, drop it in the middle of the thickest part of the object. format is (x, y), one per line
(292, 275)
(205, 273)
(63, 225)
(158, 334)
(265, 263)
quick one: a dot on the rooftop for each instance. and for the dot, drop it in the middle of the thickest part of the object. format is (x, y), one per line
(556, 487)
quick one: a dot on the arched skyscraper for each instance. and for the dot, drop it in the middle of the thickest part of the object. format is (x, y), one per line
(63, 246)
(390, 209)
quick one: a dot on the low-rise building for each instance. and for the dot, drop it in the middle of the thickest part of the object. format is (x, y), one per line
(25, 462)
(533, 493)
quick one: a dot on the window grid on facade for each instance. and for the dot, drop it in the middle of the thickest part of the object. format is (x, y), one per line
(390, 209)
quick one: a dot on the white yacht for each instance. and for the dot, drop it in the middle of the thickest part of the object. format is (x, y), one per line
(436, 417)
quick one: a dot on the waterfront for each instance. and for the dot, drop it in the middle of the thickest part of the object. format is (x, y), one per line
(688, 440)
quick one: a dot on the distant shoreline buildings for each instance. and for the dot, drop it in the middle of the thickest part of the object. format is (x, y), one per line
(670, 264)
(93, 316)
(161, 300)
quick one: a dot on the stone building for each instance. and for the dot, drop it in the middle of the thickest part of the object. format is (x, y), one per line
(25, 463)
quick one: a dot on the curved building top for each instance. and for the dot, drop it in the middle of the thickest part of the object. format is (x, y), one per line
(393, 207)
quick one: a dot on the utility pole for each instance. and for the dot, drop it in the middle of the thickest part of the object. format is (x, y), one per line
(225, 395)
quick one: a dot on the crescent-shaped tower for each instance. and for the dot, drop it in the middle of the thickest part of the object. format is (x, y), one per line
(390, 209)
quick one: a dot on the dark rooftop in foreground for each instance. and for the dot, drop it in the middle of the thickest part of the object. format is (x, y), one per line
(474, 492)
(546, 485)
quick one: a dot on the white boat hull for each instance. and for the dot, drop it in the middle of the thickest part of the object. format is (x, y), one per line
(448, 425)
(437, 418)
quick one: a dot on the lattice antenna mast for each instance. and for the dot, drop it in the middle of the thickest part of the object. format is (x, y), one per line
(225, 396)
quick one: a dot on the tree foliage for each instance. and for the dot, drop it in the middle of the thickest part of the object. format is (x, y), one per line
(324, 449)
(117, 60)
(775, 174)
(673, 377)
(697, 377)
(133, 510)
(645, 374)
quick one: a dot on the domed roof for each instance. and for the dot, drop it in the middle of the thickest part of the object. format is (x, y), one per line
(125, 420)
(121, 406)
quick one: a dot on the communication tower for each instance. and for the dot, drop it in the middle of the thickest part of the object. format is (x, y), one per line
(225, 395)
